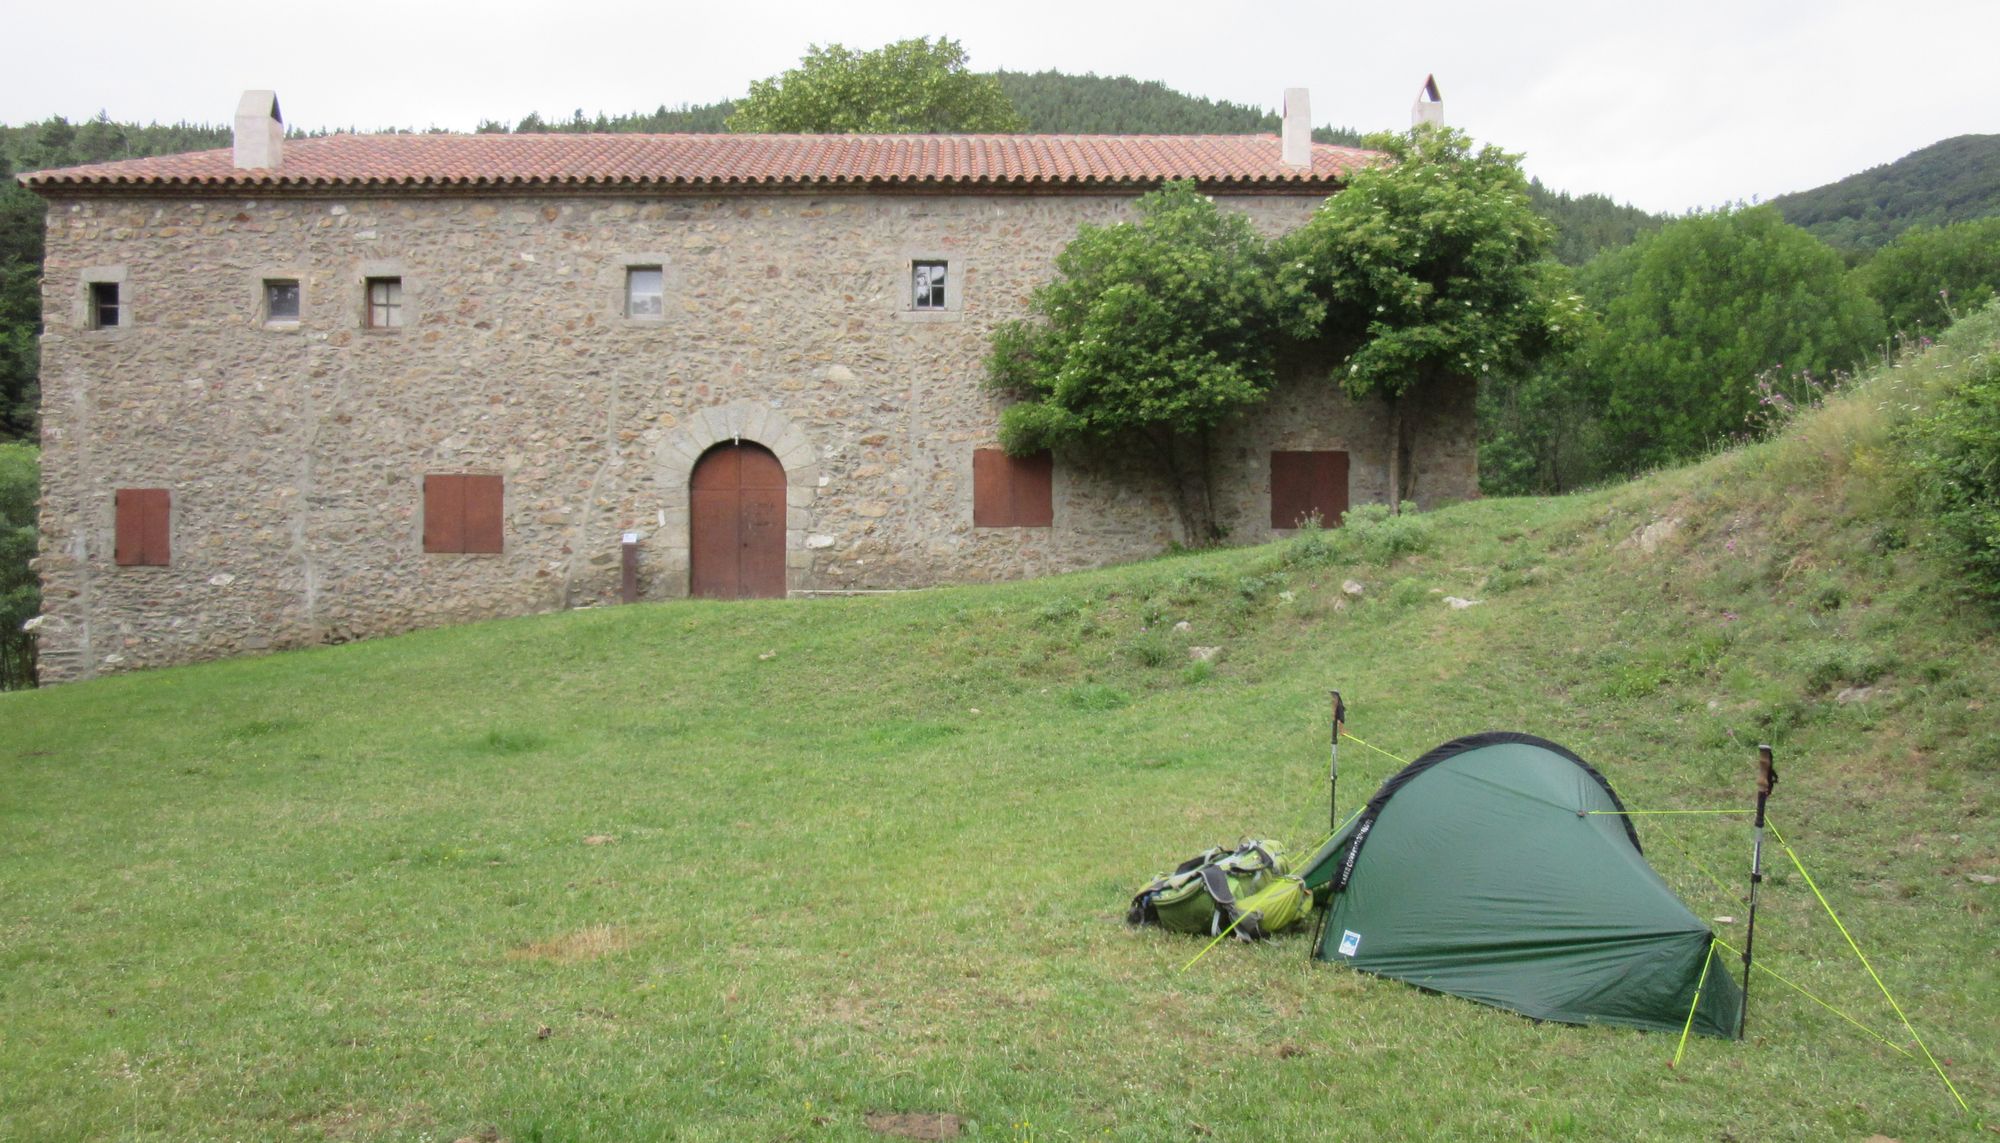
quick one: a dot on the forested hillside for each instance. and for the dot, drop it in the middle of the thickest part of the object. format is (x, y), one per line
(1058, 104)
(1588, 224)
(1050, 102)
(1953, 181)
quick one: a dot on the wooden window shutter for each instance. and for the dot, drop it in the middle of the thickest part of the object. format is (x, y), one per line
(143, 515)
(444, 513)
(462, 513)
(1308, 484)
(1012, 492)
(483, 519)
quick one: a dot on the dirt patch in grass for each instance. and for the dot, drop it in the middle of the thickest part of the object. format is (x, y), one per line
(914, 1124)
(581, 945)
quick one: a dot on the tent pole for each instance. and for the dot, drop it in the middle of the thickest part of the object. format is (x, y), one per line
(1767, 777)
(1333, 763)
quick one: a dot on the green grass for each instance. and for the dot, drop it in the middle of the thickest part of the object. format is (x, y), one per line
(752, 871)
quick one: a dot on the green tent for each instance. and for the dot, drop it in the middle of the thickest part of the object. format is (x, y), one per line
(1502, 868)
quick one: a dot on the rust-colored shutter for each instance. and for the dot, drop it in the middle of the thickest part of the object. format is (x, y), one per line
(484, 530)
(1308, 484)
(736, 527)
(142, 534)
(444, 513)
(1012, 492)
(463, 513)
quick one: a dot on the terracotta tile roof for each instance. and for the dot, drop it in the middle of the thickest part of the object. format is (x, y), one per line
(716, 162)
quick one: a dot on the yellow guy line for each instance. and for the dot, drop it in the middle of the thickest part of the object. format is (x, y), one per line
(1371, 746)
(1216, 941)
(1788, 983)
(1935, 1066)
(1657, 813)
(1685, 1028)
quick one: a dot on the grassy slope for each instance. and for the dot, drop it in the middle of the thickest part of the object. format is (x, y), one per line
(759, 869)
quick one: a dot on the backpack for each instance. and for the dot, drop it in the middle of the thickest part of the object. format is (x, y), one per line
(1246, 891)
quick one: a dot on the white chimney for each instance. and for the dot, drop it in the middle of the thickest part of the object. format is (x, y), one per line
(1297, 136)
(260, 131)
(1429, 107)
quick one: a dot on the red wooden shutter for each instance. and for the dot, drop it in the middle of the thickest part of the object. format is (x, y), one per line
(141, 533)
(444, 513)
(1012, 492)
(1306, 484)
(463, 513)
(484, 530)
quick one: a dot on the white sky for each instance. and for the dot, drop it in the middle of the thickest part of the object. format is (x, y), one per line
(1669, 106)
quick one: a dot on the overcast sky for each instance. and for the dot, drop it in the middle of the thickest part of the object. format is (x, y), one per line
(1669, 106)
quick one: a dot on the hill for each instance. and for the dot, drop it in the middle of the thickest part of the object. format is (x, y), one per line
(1589, 224)
(778, 869)
(1952, 181)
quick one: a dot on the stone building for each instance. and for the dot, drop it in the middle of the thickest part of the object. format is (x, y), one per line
(312, 390)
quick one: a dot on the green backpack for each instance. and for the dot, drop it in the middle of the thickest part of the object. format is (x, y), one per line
(1247, 888)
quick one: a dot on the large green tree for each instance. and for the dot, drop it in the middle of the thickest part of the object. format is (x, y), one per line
(1434, 269)
(1698, 311)
(1931, 274)
(1154, 333)
(917, 85)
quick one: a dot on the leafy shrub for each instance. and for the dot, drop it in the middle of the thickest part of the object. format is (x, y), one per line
(1380, 535)
(1368, 533)
(1956, 457)
(20, 590)
(1150, 649)
(1931, 274)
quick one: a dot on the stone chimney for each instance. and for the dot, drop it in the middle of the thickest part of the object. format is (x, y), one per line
(1429, 107)
(1297, 133)
(260, 131)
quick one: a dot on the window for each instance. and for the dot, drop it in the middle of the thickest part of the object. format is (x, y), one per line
(141, 531)
(281, 301)
(462, 513)
(1308, 485)
(1012, 492)
(385, 303)
(104, 308)
(645, 292)
(927, 285)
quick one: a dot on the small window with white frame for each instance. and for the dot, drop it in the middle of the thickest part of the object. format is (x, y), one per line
(645, 292)
(281, 301)
(927, 285)
(384, 304)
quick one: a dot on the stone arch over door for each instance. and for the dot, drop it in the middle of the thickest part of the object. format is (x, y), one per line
(739, 422)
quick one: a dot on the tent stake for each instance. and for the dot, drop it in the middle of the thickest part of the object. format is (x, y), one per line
(1767, 777)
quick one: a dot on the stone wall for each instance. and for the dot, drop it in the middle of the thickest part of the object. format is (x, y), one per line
(296, 454)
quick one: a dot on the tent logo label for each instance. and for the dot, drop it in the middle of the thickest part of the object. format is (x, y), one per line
(1349, 941)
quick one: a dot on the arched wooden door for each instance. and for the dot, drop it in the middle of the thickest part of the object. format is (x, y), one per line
(736, 542)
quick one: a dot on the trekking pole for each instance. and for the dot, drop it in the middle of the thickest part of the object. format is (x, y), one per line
(1767, 777)
(1333, 763)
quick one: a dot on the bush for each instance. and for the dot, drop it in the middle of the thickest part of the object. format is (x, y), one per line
(20, 592)
(1930, 275)
(1956, 455)
(1380, 535)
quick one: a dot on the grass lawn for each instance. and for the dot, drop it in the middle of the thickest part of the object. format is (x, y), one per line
(759, 870)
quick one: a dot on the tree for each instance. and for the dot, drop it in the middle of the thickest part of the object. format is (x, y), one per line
(1931, 274)
(904, 87)
(1433, 268)
(1697, 311)
(20, 591)
(1154, 332)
